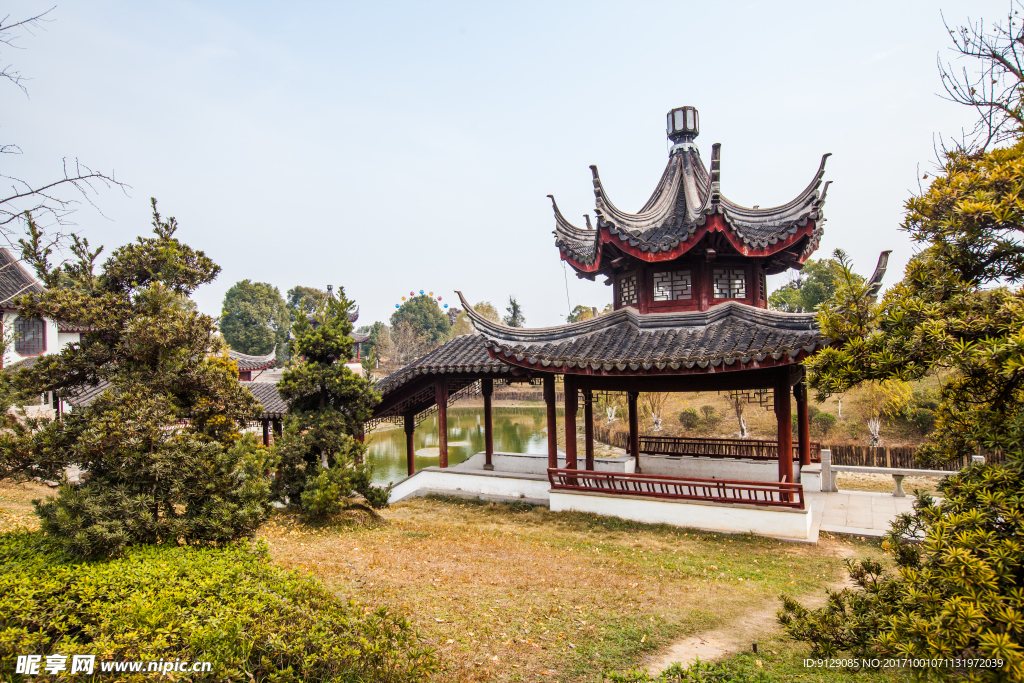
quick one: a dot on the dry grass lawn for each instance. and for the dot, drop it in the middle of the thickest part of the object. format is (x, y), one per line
(517, 593)
(510, 593)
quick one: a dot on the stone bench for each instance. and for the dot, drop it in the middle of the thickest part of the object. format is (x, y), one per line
(897, 474)
(825, 474)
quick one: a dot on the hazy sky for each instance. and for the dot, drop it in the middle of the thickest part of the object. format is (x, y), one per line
(388, 147)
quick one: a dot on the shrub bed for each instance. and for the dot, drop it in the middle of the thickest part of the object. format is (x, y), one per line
(229, 606)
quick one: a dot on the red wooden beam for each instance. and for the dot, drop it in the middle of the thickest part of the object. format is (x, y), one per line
(487, 388)
(410, 446)
(784, 420)
(549, 399)
(571, 406)
(634, 429)
(441, 398)
(803, 423)
(588, 426)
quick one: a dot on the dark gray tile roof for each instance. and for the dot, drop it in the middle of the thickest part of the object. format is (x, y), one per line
(465, 353)
(246, 362)
(273, 405)
(686, 195)
(359, 337)
(625, 341)
(70, 327)
(15, 279)
(266, 392)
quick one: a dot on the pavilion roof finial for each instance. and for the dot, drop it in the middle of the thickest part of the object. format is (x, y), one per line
(683, 125)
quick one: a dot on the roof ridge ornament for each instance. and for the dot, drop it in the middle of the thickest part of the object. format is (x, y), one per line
(682, 126)
(716, 173)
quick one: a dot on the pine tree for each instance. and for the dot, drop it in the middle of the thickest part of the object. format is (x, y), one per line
(151, 477)
(515, 317)
(321, 461)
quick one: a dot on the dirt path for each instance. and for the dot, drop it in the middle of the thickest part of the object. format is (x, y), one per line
(740, 633)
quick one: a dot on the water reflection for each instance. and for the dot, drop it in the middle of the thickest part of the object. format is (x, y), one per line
(516, 430)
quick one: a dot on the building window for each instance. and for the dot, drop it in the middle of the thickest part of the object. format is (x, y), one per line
(764, 286)
(671, 285)
(30, 336)
(730, 283)
(627, 290)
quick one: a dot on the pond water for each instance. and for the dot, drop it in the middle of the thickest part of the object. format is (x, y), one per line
(516, 430)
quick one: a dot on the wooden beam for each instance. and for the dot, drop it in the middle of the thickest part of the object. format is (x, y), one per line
(634, 429)
(784, 420)
(761, 378)
(803, 423)
(441, 398)
(588, 427)
(410, 442)
(487, 388)
(549, 399)
(571, 406)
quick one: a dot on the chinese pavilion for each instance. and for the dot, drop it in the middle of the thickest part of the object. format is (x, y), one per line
(690, 314)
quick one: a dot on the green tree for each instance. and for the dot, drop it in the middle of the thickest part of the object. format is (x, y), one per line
(959, 308)
(422, 314)
(304, 299)
(809, 288)
(581, 313)
(515, 317)
(152, 477)
(956, 594)
(255, 319)
(321, 462)
(487, 310)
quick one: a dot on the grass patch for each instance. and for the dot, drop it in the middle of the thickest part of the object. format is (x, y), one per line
(514, 592)
(228, 606)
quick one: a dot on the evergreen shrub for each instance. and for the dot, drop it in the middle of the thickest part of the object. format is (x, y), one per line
(955, 595)
(230, 606)
(689, 418)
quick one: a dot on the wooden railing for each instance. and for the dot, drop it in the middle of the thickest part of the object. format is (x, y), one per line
(778, 494)
(720, 448)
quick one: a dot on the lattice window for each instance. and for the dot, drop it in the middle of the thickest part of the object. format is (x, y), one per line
(730, 283)
(671, 285)
(764, 286)
(627, 290)
(31, 336)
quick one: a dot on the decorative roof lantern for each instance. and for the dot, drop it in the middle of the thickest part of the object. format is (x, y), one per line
(683, 125)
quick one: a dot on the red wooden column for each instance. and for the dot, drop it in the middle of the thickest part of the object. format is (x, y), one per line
(487, 388)
(784, 417)
(441, 397)
(803, 422)
(549, 398)
(634, 428)
(410, 445)
(571, 406)
(588, 426)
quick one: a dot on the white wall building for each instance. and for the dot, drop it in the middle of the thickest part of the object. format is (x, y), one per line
(32, 337)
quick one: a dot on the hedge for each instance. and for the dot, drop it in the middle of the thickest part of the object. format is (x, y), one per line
(229, 606)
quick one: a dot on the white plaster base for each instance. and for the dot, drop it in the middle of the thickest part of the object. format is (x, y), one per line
(532, 463)
(810, 477)
(729, 518)
(478, 482)
(736, 469)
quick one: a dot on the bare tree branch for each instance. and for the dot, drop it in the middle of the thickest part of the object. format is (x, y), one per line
(994, 88)
(50, 203)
